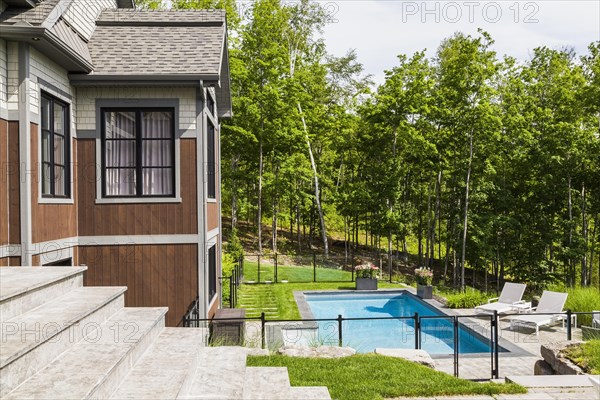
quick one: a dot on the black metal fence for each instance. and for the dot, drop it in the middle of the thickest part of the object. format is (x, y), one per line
(280, 267)
(231, 284)
(263, 332)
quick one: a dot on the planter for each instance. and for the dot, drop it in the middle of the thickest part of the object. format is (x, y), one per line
(366, 283)
(425, 291)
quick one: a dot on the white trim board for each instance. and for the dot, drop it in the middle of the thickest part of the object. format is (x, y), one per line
(117, 240)
(137, 240)
(10, 250)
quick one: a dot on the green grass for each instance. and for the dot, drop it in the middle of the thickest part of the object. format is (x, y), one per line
(581, 300)
(293, 273)
(372, 376)
(587, 356)
(277, 300)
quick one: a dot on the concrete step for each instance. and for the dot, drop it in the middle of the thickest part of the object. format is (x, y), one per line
(25, 288)
(163, 371)
(30, 341)
(309, 393)
(94, 367)
(551, 381)
(266, 383)
(219, 375)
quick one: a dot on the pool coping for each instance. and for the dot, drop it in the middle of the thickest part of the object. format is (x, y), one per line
(512, 350)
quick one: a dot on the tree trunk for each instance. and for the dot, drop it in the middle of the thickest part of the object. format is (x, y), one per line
(584, 233)
(466, 217)
(234, 210)
(316, 182)
(298, 233)
(260, 181)
(570, 277)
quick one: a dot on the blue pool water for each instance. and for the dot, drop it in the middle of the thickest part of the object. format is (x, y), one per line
(366, 335)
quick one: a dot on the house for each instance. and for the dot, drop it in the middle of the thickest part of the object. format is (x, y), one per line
(109, 146)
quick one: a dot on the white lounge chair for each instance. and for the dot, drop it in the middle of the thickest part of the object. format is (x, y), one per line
(511, 295)
(596, 319)
(550, 302)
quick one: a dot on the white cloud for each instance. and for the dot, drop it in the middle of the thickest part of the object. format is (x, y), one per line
(382, 29)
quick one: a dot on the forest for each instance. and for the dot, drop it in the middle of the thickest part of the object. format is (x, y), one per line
(480, 160)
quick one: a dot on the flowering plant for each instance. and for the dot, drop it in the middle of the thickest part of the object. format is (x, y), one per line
(424, 276)
(366, 270)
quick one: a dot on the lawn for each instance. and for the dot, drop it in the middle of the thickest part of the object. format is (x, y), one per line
(293, 273)
(372, 376)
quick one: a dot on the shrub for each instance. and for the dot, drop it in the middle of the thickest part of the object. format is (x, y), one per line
(234, 245)
(580, 300)
(469, 299)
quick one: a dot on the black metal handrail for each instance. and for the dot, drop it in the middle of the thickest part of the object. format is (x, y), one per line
(494, 338)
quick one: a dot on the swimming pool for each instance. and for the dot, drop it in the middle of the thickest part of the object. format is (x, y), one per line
(437, 335)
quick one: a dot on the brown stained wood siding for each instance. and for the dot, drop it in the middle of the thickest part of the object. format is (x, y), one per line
(14, 195)
(156, 275)
(50, 221)
(10, 261)
(212, 216)
(136, 219)
(4, 184)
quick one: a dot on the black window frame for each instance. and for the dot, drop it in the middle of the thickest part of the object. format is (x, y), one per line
(210, 103)
(66, 136)
(212, 272)
(138, 151)
(211, 162)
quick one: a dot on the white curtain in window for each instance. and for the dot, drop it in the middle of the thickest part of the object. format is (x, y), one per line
(157, 153)
(120, 154)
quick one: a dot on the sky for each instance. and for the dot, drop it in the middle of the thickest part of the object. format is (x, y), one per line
(379, 30)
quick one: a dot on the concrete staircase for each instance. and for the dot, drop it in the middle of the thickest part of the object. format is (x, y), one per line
(60, 340)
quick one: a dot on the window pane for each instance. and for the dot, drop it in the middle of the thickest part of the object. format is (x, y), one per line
(59, 181)
(157, 124)
(59, 119)
(59, 150)
(157, 181)
(45, 113)
(120, 153)
(46, 179)
(157, 153)
(45, 146)
(120, 124)
(120, 182)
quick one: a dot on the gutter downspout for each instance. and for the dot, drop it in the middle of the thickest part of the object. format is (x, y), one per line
(201, 201)
(25, 169)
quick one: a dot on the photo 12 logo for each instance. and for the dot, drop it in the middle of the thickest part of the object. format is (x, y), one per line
(470, 11)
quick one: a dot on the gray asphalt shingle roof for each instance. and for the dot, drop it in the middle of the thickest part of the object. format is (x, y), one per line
(33, 16)
(154, 17)
(157, 42)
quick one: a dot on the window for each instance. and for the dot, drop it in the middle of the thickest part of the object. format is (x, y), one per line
(55, 147)
(138, 148)
(212, 272)
(210, 103)
(210, 162)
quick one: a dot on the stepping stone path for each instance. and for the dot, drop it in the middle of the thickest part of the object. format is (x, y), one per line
(256, 299)
(62, 340)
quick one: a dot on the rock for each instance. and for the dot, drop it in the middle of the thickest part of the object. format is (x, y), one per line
(552, 354)
(419, 356)
(541, 367)
(257, 351)
(317, 352)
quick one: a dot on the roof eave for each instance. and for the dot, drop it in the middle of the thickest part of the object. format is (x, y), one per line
(36, 36)
(140, 79)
